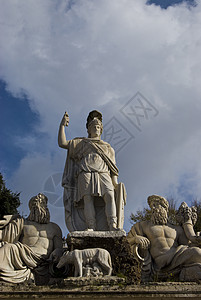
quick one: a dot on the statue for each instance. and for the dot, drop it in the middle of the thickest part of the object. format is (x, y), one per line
(163, 248)
(88, 262)
(93, 199)
(28, 247)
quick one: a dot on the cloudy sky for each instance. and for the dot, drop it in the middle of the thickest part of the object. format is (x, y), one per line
(137, 62)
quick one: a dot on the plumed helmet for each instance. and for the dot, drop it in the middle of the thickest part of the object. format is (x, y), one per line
(94, 114)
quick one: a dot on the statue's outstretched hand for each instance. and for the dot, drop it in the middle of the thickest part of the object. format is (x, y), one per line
(65, 119)
(142, 241)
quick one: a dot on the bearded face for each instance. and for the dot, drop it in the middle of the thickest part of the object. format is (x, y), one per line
(159, 215)
(39, 211)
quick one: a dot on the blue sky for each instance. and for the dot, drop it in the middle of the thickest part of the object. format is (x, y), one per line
(166, 3)
(17, 119)
(107, 55)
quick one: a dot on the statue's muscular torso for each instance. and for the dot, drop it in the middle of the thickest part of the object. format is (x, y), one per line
(164, 240)
(41, 238)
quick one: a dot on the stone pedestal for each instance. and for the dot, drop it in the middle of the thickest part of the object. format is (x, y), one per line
(94, 239)
(101, 288)
(123, 262)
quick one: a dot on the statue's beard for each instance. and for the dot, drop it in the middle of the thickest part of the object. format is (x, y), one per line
(159, 216)
(39, 214)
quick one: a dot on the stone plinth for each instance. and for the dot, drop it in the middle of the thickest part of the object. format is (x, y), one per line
(123, 262)
(93, 239)
(105, 288)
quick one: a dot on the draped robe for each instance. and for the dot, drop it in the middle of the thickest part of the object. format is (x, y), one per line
(17, 260)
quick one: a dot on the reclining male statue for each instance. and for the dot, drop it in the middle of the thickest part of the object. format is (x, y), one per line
(29, 245)
(167, 248)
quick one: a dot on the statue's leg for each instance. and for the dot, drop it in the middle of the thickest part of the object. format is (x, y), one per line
(110, 210)
(89, 212)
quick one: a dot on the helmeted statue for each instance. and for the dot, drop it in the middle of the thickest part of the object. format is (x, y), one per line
(93, 199)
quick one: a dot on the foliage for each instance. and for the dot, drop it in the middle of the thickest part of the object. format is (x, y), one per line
(141, 215)
(145, 214)
(9, 201)
(172, 211)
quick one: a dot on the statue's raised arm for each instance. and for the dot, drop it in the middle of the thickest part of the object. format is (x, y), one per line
(93, 198)
(62, 141)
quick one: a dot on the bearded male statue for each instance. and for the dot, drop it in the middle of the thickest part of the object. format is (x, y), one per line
(93, 199)
(29, 246)
(163, 248)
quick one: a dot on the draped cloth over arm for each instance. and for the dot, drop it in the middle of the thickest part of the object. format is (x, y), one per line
(16, 259)
(73, 192)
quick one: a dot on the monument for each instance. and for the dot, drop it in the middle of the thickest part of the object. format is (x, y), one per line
(93, 199)
(29, 247)
(32, 248)
(163, 248)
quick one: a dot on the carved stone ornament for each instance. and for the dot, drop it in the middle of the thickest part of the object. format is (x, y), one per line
(164, 249)
(88, 262)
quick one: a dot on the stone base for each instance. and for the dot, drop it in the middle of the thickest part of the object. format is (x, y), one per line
(105, 288)
(123, 262)
(92, 239)
(89, 281)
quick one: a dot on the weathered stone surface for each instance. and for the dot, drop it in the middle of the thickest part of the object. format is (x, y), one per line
(95, 234)
(93, 198)
(29, 246)
(80, 282)
(105, 288)
(165, 249)
(92, 262)
(123, 262)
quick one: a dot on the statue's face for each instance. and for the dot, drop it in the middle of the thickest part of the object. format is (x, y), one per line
(159, 214)
(155, 205)
(95, 130)
(38, 209)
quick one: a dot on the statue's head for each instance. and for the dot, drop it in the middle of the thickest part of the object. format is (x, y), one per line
(39, 211)
(94, 124)
(186, 213)
(159, 209)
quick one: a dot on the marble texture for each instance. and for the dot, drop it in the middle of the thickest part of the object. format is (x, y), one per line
(163, 248)
(91, 262)
(29, 243)
(93, 198)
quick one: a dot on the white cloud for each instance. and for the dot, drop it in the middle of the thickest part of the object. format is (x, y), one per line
(98, 54)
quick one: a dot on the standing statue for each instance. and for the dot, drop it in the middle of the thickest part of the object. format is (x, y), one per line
(164, 248)
(93, 199)
(28, 246)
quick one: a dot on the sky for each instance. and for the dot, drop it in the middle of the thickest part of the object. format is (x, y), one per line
(138, 62)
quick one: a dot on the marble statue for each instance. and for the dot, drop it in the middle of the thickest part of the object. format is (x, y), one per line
(163, 248)
(88, 262)
(93, 198)
(29, 246)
